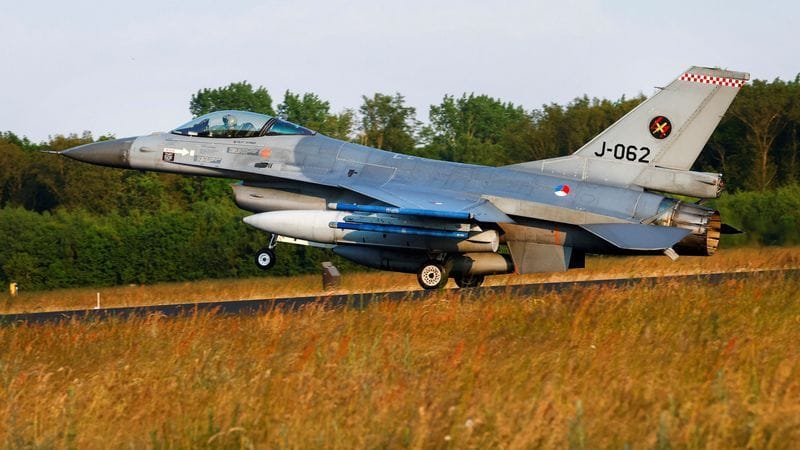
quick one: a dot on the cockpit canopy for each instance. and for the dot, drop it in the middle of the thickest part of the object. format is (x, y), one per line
(239, 124)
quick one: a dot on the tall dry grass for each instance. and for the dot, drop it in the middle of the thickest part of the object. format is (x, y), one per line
(671, 366)
(738, 259)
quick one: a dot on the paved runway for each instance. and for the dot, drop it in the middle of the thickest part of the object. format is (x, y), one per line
(364, 299)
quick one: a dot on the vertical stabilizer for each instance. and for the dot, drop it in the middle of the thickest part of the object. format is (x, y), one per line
(673, 125)
(657, 141)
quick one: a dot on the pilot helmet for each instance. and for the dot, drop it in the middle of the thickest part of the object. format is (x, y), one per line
(229, 120)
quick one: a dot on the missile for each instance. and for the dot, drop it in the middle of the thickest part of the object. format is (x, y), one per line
(330, 227)
(394, 229)
(456, 215)
(320, 226)
(309, 225)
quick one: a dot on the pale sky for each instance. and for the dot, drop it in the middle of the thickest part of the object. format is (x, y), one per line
(130, 68)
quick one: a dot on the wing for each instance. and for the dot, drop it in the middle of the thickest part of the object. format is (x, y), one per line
(404, 196)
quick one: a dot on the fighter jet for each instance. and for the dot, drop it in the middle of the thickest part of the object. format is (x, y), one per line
(444, 220)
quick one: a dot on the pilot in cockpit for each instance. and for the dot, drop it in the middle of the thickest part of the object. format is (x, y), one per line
(229, 121)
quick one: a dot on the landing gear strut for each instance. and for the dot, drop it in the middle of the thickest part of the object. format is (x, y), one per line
(265, 258)
(432, 275)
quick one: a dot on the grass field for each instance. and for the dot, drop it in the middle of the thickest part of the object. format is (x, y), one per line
(670, 366)
(740, 259)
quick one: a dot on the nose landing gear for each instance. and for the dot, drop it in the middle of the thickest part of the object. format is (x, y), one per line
(265, 258)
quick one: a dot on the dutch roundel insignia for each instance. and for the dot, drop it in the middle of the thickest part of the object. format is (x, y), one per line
(562, 190)
(660, 127)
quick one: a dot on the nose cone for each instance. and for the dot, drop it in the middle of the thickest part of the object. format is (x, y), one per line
(112, 153)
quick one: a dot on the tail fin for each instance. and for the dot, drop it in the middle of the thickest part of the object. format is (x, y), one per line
(658, 140)
(674, 124)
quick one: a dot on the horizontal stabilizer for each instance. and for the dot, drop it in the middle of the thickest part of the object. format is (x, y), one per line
(634, 236)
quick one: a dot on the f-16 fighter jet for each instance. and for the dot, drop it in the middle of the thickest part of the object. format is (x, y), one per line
(442, 219)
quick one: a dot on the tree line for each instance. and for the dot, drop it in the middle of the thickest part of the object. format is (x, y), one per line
(67, 224)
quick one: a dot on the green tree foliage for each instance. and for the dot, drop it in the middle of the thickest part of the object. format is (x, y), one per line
(762, 111)
(239, 96)
(770, 217)
(308, 110)
(78, 248)
(561, 130)
(339, 126)
(312, 112)
(23, 143)
(473, 129)
(483, 130)
(34, 180)
(12, 171)
(756, 143)
(387, 123)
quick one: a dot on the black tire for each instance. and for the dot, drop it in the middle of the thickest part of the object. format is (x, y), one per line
(432, 275)
(265, 259)
(470, 281)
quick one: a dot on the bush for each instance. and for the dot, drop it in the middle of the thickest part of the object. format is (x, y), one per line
(77, 248)
(766, 217)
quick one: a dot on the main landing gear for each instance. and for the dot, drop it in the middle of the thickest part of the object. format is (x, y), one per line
(265, 258)
(433, 275)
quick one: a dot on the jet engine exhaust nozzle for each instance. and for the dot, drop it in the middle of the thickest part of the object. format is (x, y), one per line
(704, 223)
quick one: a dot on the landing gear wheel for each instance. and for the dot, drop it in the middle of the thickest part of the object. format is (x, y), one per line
(265, 259)
(470, 281)
(432, 275)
